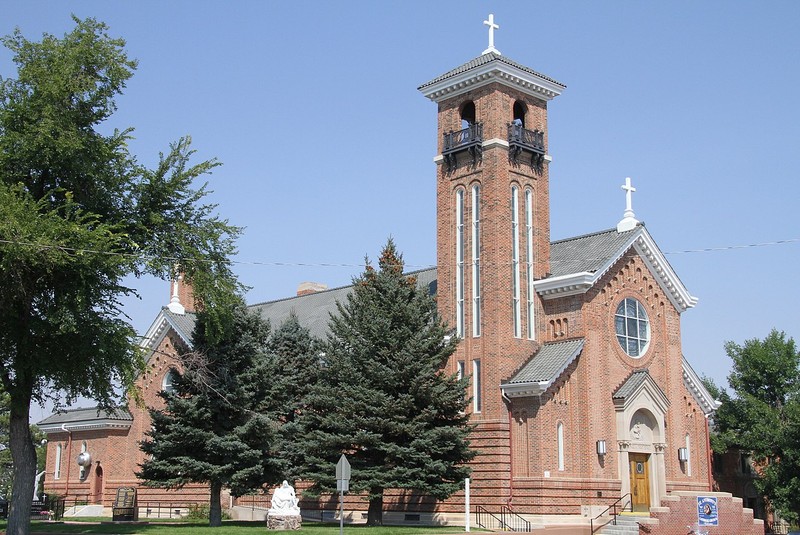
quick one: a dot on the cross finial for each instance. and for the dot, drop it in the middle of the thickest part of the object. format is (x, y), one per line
(492, 27)
(629, 221)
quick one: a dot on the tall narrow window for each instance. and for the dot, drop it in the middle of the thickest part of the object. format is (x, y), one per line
(461, 369)
(515, 305)
(560, 432)
(477, 401)
(57, 469)
(688, 455)
(529, 262)
(476, 260)
(460, 262)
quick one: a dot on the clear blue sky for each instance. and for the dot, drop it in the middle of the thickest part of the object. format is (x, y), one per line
(327, 145)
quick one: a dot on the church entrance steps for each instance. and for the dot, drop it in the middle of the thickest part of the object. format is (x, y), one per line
(627, 524)
(678, 512)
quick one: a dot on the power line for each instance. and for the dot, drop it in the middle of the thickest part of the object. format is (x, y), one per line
(179, 260)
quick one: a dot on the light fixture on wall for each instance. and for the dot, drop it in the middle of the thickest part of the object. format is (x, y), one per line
(601, 448)
(683, 454)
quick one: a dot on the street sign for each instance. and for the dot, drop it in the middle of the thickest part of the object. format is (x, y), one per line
(343, 469)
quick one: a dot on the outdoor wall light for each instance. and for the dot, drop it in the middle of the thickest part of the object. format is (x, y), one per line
(683, 455)
(601, 447)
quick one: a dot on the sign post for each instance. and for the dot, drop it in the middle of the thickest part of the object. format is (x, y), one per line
(342, 485)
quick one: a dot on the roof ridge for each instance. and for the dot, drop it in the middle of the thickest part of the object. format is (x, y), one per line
(328, 290)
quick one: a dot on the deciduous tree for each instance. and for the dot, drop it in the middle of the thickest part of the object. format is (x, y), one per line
(78, 214)
(762, 416)
(383, 398)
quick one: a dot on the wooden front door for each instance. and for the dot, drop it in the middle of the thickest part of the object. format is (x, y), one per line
(640, 481)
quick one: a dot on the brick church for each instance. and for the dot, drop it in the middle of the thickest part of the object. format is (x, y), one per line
(580, 390)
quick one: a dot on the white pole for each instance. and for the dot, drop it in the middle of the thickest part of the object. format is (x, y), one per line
(466, 504)
(341, 508)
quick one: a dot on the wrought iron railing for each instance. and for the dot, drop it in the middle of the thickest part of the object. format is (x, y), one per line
(462, 138)
(469, 139)
(523, 141)
(530, 139)
(507, 520)
(613, 509)
(514, 521)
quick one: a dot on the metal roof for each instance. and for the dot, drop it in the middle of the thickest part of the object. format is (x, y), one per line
(588, 253)
(631, 384)
(549, 362)
(86, 418)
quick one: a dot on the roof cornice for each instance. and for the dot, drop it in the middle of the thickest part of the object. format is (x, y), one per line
(103, 423)
(495, 70)
(695, 386)
(537, 388)
(159, 329)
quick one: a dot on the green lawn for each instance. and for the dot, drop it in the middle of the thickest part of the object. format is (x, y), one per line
(229, 528)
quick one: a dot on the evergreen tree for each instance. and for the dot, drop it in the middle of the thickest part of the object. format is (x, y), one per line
(214, 428)
(78, 214)
(763, 416)
(383, 398)
(292, 368)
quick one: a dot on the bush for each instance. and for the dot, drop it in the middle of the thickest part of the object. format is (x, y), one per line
(200, 511)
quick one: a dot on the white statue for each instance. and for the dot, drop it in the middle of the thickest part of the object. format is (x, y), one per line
(284, 501)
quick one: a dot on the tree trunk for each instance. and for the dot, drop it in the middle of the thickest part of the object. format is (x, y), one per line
(215, 508)
(23, 456)
(375, 512)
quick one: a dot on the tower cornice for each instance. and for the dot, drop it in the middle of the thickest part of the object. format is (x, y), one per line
(489, 68)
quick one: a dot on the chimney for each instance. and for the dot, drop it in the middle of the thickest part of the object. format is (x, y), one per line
(305, 288)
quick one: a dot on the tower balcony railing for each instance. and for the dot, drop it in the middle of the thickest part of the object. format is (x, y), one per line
(469, 140)
(522, 141)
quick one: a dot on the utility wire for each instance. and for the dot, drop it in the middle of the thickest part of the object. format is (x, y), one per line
(347, 265)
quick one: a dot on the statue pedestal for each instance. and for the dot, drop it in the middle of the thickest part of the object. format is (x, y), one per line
(283, 522)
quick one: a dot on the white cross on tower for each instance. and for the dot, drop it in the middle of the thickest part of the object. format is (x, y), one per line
(629, 221)
(492, 27)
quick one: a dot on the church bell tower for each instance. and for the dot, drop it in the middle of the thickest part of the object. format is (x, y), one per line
(493, 217)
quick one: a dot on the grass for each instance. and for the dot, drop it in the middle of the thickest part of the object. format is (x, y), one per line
(229, 527)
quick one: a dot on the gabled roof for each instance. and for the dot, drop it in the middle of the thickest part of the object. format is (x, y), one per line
(546, 365)
(488, 68)
(86, 418)
(640, 383)
(578, 263)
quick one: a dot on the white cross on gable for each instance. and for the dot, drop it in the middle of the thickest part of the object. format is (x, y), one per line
(492, 27)
(629, 221)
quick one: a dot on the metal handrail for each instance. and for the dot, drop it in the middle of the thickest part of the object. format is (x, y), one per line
(480, 512)
(519, 523)
(614, 514)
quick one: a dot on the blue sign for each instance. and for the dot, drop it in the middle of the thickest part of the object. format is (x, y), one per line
(707, 514)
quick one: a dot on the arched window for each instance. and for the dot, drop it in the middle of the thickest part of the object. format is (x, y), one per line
(520, 109)
(460, 262)
(560, 433)
(515, 294)
(168, 384)
(529, 262)
(57, 469)
(467, 114)
(476, 260)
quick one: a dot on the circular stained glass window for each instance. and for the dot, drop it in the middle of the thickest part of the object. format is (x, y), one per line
(632, 326)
